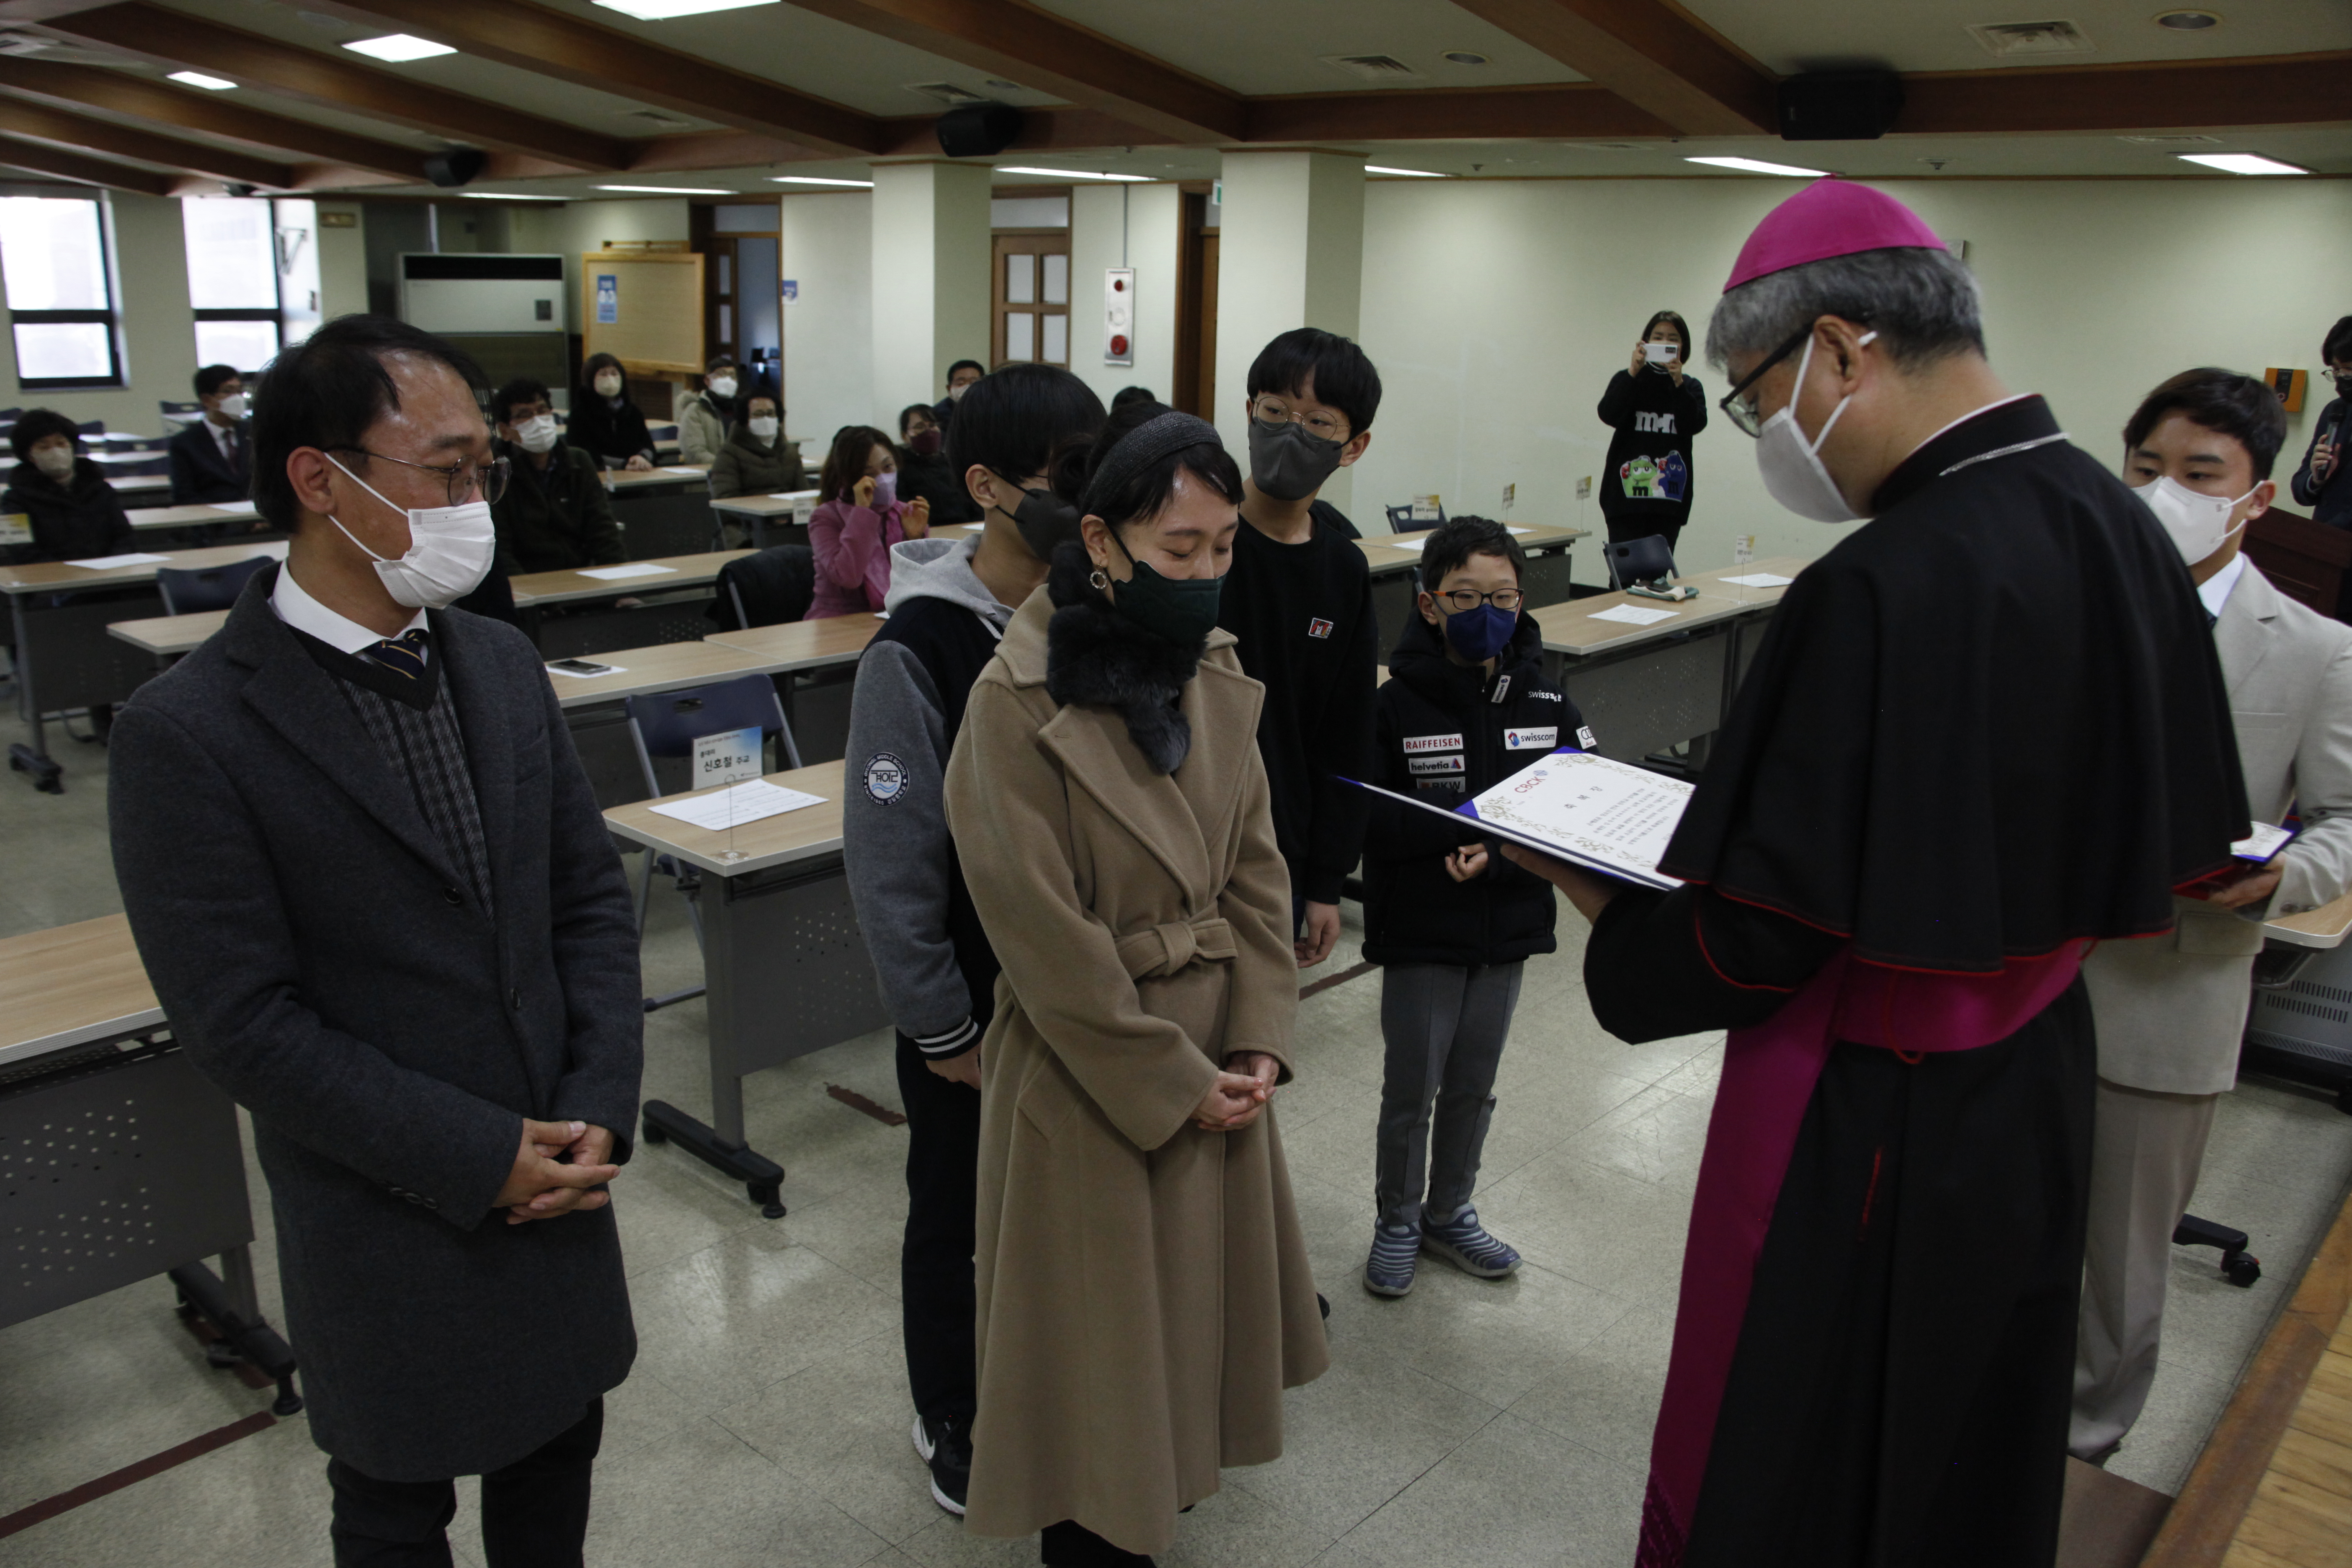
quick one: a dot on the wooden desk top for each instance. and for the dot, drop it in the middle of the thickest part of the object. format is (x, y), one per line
(2325, 926)
(562, 588)
(1569, 628)
(804, 644)
(144, 517)
(1385, 557)
(70, 985)
(167, 636)
(49, 576)
(660, 474)
(777, 505)
(808, 834)
(664, 666)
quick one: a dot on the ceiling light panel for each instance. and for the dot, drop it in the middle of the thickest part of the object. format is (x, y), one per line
(666, 190)
(399, 49)
(666, 10)
(1408, 174)
(1072, 174)
(817, 180)
(198, 78)
(2240, 163)
(1757, 166)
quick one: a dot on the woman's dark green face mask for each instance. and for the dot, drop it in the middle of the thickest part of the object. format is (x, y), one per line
(1181, 610)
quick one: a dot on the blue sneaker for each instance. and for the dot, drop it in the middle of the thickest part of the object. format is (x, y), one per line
(1395, 1250)
(1465, 1242)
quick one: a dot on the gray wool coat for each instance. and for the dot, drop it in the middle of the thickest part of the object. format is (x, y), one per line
(307, 937)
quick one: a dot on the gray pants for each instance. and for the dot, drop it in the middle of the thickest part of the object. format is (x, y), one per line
(2144, 1159)
(1444, 1025)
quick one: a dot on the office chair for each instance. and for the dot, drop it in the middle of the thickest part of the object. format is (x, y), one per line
(188, 589)
(1645, 568)
(667, 725)
(776, 586)
(2238, 1267)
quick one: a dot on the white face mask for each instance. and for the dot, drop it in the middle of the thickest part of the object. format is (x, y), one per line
(955, 394)
(449, 551)
(57, 462)
(722, 386)
(232, 405)
(1792, 466)
(766, 426)
(608, 385)
(537, 433)
(2198, 524)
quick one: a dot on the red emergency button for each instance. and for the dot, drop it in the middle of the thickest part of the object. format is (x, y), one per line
(1118, 342)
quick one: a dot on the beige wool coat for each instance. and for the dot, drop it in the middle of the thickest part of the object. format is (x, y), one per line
(1144, 1296)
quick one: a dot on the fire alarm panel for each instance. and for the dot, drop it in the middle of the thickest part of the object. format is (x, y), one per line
(1118, 315)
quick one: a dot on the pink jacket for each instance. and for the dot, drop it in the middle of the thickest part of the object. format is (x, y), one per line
(851, 543)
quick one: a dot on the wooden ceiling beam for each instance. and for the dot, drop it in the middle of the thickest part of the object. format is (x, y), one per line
(1446, 115)
(1649, 53)
(184, 42)
(1048, 53)
(193, 109)
(535, 39)
(36, 159)
(2202, 95)
(81, 133)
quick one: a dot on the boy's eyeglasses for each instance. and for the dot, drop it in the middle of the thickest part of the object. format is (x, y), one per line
(1321, 425)
(1470, 598)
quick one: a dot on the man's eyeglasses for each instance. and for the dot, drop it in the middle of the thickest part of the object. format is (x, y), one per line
(1739, 405)
(1470, 598)
(1321, 425)
(463, 478)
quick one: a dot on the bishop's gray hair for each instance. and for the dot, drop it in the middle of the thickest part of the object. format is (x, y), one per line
(1922, 303)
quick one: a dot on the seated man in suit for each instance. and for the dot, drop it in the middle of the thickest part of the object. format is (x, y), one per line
(211, 465)
(372, 891)
(555, 515)
(2170, 1008)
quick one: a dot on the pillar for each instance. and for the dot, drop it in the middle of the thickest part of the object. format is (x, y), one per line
(930, 270)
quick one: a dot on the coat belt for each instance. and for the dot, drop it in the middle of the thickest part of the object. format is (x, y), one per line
(1165, 949)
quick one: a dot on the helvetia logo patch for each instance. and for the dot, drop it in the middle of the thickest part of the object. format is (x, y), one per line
(1452, 764)
(885, 779)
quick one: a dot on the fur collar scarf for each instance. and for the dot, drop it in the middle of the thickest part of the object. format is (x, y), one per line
(1096, 657)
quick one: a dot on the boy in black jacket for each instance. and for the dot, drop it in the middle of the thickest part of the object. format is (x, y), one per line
(1468, 707)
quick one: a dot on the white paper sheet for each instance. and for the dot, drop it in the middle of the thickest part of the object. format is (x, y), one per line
(235, 509)
(675, 468)
(109, 563)
(720, 809)
(1403, 541)
(585, 675)
(1582, 809)
(1633, 616)
(634, 569)
(1760, 580)
(1522, 533)
(792, 495)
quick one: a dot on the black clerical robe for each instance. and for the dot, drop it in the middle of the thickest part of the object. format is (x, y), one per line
(1985, 731)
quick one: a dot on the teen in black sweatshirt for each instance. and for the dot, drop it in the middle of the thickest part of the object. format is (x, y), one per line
(1656, 409)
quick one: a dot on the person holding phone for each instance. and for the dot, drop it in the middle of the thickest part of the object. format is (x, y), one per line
(1655, 406)
(2319, 483)
(859, 519)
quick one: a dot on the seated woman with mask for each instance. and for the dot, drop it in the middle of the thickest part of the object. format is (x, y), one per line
(1144, 1296)
(859, 519)
(924, 469)
(757, 461)
(605, 423)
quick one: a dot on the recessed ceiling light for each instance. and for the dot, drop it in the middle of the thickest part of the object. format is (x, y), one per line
(398, 47)
(1408, 174)
(666, 190)
(1466, 57)
(1072, 174)
(510, 196)
(198, 78)
(2240, 163)
(662, 10)
(1757, 166)
(2187, 21)
(818, 180)
(1000, 85)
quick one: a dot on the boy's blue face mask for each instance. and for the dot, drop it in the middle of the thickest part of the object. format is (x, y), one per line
(1479, 635)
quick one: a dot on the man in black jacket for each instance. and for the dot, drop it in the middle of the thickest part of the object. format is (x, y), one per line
(212, 460)
(371, 887)
(1468, 707)
(555, 515)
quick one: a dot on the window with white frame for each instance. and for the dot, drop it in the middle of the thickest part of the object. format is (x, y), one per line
(253, 276)
(60, 286)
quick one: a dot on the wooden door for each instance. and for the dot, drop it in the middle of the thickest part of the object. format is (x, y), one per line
(1207, 338)
(718, 283)
(1031, 296)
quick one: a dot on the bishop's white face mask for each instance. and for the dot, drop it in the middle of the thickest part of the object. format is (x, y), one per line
(1792, 466)
(2198, 524)
(538, 433)
(449, 551)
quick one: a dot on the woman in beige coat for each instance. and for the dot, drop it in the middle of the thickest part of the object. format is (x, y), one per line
(1143, 1288)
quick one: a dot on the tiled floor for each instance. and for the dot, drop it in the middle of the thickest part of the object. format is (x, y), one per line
(766, 1420)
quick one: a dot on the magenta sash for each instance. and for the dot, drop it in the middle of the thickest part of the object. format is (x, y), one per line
(1768, 1074)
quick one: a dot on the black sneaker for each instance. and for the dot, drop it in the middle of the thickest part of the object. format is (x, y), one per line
(946, 1447)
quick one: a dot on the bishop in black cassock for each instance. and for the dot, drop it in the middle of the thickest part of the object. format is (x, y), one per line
(1981, 734)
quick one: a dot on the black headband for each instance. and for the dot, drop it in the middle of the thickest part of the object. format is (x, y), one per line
(1142, 447)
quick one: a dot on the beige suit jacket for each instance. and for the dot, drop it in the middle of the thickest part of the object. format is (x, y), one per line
(2170, 1008)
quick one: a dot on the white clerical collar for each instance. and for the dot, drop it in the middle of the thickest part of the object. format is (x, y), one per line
(1971, 413)
(305, 614)
(2215, 589)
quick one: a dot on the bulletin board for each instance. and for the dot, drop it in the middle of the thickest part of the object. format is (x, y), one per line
(645, 309)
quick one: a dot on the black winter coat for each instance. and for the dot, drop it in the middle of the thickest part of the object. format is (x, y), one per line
(73, 521)
(1447, 732)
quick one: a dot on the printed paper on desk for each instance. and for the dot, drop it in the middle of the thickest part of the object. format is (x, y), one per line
(720, 809)
(1760, 580)
(109, 563)
(15, 527)
(634, 569)
(1633, 616)
(234, 509)
(675, 468)
(1401, 541)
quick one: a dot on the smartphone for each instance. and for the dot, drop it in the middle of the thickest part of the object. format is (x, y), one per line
(1660, 354)
(580, 667)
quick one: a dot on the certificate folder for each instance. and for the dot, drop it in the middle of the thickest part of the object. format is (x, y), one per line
(1578, 807)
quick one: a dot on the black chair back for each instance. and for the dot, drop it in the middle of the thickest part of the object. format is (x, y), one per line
(776, 586)
(188, 589)
(1641, 560)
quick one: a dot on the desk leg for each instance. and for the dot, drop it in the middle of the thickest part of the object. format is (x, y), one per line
(235, 1314)
(48, 777)
(721, 1146)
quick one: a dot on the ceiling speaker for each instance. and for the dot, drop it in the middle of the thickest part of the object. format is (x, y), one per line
(457, 166)
(978, 130)
(1840, 106)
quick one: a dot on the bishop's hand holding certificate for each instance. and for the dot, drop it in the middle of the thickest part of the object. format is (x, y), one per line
(1582, 808)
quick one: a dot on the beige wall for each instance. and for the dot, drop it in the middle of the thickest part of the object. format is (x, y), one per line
(159, 336)
(826, 248)
(1497, 311)
(1144, 224)
(342, 263)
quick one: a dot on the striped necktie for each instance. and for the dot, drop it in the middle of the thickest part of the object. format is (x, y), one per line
(404, 653)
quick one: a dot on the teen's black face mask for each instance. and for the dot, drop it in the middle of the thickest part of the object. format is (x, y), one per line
(1045, 521)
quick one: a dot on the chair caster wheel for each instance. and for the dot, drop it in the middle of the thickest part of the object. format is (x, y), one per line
(2242, 1269)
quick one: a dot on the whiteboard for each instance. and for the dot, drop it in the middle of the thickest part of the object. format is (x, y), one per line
(655, 303)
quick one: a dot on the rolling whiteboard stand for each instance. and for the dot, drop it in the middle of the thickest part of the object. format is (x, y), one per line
(1118, 315)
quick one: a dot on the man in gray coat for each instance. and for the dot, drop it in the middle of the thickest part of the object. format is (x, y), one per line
(2170, 1008)
(375, 895)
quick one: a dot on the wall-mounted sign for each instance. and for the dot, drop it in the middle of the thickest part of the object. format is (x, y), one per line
(608, 298)
(791, 288)
(339, 220)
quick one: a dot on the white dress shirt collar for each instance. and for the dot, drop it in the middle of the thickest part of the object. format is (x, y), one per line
(305, 614)
(2215, 589)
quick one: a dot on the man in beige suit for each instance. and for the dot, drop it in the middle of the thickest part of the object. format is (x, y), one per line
(2170, 1008)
